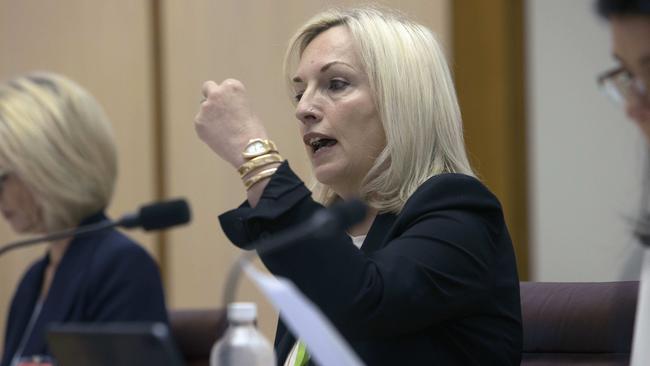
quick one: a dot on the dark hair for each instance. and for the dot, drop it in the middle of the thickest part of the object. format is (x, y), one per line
(608, 8)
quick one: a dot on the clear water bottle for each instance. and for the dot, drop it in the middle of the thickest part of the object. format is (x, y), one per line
(242, 344)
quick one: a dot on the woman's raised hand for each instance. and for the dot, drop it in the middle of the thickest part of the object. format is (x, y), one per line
(225, 121)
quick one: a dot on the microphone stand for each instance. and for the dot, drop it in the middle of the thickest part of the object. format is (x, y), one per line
(323, 222)
(327, 346)
(234, 274)
(155, 216)
(102, 225)
(264, 246)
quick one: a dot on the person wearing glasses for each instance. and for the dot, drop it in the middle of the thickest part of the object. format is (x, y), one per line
(429, 277)
(58, 166)
(628, 84)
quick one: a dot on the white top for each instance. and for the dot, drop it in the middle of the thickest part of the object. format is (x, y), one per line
(358, 240)
(291, 358)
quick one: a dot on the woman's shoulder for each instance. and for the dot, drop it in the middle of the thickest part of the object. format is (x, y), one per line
(105, 243)
(116, 258)
(33, 273)
(450, 191)
(113, 245)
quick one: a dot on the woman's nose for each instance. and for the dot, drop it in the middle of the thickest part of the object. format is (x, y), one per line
(633, 107)
(307, 111)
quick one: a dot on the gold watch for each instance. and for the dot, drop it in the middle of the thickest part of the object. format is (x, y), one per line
(258, 147)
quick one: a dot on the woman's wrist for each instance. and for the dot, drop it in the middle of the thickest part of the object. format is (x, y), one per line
(254, 192)
(241, 143)
(259, 161)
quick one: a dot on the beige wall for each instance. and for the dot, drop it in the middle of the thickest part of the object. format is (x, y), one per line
(106, 46)
(103, 45)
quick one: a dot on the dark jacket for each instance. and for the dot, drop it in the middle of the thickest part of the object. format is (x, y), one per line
(103, 277)
(436, 284)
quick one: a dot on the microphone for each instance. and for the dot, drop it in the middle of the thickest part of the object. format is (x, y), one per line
(323, 224)
(337, 217)
(159, 215)
(154, 216)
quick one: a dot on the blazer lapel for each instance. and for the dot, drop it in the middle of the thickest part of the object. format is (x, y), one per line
(284, 344)
(64, 291)
(68, 279)
(378, 232)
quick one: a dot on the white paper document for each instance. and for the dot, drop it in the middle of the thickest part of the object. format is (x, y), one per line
(324, 343)
(640, 350)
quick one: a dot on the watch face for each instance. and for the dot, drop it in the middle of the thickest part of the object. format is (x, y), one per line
(256, 148)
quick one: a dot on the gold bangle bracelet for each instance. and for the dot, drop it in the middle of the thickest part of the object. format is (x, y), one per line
(249, 182)
(258, 162)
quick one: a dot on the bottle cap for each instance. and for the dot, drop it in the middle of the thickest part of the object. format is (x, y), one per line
(242, 311)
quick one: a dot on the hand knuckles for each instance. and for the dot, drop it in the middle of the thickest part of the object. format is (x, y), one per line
(233, 84)
(212, 94)
(208, 86)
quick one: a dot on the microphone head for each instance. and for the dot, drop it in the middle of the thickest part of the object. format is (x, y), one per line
(161, 215)
(348, 213)
(339, 216)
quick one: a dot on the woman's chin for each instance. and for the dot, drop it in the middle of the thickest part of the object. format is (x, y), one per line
(325, 175)
(24, 228)
(21, 230)
(342, 187)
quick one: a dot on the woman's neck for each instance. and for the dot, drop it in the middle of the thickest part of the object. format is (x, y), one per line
(57, 250)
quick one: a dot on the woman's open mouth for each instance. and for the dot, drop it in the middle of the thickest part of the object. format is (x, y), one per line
(318, 143)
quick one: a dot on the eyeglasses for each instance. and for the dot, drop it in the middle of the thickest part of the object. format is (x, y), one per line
(621, 86)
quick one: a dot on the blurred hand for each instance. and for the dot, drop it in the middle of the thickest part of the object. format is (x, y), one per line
(225, 121)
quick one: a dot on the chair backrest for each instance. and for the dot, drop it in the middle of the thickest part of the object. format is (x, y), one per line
(587, 323)
(565, 323)
(195, 331)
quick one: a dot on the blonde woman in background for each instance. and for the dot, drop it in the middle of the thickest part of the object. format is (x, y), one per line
(57, 171)
(430, 276)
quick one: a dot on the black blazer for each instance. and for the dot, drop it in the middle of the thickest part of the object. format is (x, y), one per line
(103, 277)
(436, 284)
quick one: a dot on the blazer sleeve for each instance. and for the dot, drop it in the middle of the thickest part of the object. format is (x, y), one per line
(437, 263)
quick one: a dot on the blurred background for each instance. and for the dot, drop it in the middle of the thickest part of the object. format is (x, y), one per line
(563, 160)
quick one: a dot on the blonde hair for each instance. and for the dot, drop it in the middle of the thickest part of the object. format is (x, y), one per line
(57, 139)
(414, 96)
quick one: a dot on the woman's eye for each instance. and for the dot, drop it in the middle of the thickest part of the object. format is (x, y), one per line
(298, 97)
(624, 74)
(337, 84)
(627, 74)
